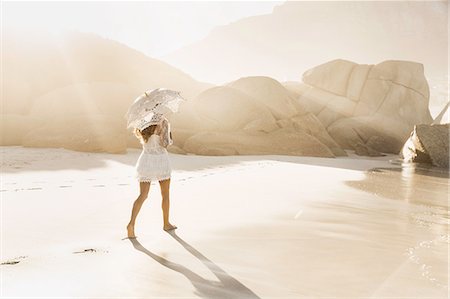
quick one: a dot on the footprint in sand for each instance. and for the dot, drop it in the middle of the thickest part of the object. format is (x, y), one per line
(91, 250)
(13, 261)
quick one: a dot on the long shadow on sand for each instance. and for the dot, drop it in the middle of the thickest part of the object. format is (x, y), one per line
(226, 287)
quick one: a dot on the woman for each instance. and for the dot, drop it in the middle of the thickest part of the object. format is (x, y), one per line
(153, 164)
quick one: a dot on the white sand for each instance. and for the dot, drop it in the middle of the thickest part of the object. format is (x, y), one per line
(249, 227)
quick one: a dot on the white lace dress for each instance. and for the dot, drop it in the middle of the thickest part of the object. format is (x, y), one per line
(153, 164)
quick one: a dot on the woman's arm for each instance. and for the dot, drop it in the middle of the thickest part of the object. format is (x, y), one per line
(166, 134)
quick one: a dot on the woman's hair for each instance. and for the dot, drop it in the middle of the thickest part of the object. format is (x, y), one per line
(145, 134)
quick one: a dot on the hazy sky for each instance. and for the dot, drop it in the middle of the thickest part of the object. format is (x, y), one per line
(155, 28)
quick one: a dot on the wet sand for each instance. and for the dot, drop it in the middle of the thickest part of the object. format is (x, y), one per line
(249, 227)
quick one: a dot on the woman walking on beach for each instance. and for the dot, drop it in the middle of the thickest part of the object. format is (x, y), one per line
(153, 165)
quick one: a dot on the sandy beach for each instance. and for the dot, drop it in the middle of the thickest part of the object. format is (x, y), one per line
(249, 227)
(288, 126)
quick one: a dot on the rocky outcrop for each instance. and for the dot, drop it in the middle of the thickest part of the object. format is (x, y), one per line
(428, 144)
(308, 123)
(49, 80)
(13, 127)
(93, 133)
(271, 94)
(280, 142)
(226, 109)
(252, 115)
(367, 108)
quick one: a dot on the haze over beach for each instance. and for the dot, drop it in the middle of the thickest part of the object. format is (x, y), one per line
(310, 157)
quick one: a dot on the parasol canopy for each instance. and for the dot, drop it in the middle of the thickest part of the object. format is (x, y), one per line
(150, 107)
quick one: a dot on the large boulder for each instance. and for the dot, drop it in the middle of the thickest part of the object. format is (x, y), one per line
(227, 109)
(84, 99)
(93, 133)
(270, 93)
(369, 135)
(252, 115)
(308, 123)
(428, 144)
(13, 127)
(367, 108)
(279, 142)
(85, 102)
(220, 109)
(332, 76)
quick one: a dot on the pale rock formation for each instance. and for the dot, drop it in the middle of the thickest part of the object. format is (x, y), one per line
(308, 123)
(13, 127)
(78, 76)
(280, 142)
(369, 135)
(34, 65)
(218, 121)
(270, 93)
(85, 99)
(367, 108)
(93, 133)
(220, 109)
(332, 76)
(176, 150)
(428, 144)
(225, 108)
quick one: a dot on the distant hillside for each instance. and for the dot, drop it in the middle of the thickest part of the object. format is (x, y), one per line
(37, 64)
(73, 91)
(300, 35)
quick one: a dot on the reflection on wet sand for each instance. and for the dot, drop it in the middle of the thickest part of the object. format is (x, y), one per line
(414, 183)
(427, 188)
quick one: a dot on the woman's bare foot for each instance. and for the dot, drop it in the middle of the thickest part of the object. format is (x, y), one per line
(169, 226)
(130, 229)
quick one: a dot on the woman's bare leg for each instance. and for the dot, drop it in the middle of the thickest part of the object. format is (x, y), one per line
(165, 186)
(144, 188)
